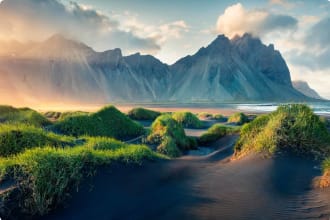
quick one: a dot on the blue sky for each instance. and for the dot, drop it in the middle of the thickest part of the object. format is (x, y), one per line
(175, 28)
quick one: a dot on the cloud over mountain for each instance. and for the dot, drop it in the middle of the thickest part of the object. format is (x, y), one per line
(236, 20)
(38, 19)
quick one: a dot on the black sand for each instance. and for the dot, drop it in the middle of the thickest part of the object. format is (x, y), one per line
(208, 187)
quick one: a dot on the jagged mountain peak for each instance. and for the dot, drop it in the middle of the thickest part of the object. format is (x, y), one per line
(227, 70)
(247, 42)
(220, 44)
(112, 54)
(137, 58)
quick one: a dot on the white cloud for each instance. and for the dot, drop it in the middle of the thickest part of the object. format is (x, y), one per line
(162, 33)
(303, 41)
(19, 20)
(236, 20)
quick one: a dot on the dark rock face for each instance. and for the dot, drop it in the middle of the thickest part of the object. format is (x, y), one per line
(262, 58)
(241, 69)
(62, 70)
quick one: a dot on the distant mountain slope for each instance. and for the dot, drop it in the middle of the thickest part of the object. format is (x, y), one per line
(63, 70)
(304, 88)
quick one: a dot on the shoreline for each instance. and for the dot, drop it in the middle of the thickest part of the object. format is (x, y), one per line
(225, 110)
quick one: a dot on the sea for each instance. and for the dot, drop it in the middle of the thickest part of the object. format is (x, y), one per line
(320, 108)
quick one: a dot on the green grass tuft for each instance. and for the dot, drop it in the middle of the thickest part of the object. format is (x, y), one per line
(60, 116)
(47, 175)
(15, 138)
(219, 117)
(170, 136)
(65, 115)
(216, 132)
(169, 147)
(238, 118)
(291, 128)
(209, 116)
(10, 114)
(205, 115)
(187, 119)
(52, 115)
(143, 114)
(108, 122)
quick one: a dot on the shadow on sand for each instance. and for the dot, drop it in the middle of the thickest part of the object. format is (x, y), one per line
(204, 187)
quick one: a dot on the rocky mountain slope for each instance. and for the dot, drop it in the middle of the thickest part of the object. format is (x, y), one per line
(63, 70)
(240, 69)
(305, 89)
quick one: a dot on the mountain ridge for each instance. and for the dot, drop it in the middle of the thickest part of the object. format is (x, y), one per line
(64, 70)
(305, 89)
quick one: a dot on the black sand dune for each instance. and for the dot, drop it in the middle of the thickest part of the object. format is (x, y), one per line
(203, 187)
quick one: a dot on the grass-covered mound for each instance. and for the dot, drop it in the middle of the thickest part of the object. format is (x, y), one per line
(326, 121)
(216, 132)
(58, 116)
(15, 138)
(187, 119)
(65, 115)
(238, 118)
(46, 175)
(53, 116)
(10, 114)
(324, 180)
(205, 115)
(170, 137)
(219, 117)
(209, 116)
(291, 128)
(108, 122)
(326, 174)
(143, 114)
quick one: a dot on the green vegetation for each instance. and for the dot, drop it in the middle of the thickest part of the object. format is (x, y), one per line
(187, 119)
(205, 115)
(108, 122)
(216, 132)
(15, 138)
(52, 115)
(324, 180)
(58, 116)
(10, 114)
(47, 175)
(326, 165)
(238, 118)
(65, 115)
(326, 121)
(219, 117)
(291, 128)
(168, 147)
(143, 114)
(209, 116)
(170, 136)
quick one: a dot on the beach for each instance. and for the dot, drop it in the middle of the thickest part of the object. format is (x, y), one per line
(203, 187)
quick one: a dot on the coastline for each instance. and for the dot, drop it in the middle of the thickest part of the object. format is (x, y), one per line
(226, 109)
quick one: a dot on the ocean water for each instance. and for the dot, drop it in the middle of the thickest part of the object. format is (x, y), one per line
(321, 108)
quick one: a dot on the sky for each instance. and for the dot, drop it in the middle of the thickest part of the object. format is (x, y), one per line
(171, 29)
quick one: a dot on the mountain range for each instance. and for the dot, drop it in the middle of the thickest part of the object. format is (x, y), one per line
(241, 69)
